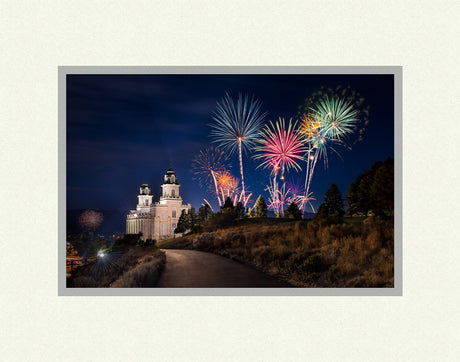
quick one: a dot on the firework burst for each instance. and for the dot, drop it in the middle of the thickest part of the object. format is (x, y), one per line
(227, 184)
(324, 126)
(236, 126)
(90, 219)
(207, 164)
(338, 117)
(280, 147)
(347, 94)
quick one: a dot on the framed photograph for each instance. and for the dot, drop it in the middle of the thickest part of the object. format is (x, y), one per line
(230, 181)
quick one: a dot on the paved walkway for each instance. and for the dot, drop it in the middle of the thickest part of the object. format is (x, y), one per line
(196, 269)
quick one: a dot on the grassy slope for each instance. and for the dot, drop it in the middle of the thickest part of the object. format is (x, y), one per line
(128, 266)
(307, 253)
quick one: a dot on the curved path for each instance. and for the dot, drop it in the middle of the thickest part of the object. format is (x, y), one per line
(197, 269)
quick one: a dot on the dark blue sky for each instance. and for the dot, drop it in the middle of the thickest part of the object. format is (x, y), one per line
(125, 130)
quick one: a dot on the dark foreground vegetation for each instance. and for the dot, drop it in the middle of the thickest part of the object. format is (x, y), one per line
(128, 264)
(323, 252)
(328, 251)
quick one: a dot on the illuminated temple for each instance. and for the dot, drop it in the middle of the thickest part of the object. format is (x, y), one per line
(157, 220)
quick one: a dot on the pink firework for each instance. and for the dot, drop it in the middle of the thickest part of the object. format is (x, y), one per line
(298, 194)
(279, 198)
(280, 147)
(90, 219)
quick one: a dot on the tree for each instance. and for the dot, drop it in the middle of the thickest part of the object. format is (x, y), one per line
(204, 212)
(373, 190)
(239, 210)
(191, 217)
(250, 213)
(382, 189)
(293, 212)
(184, 222)
(333, 203)
(228, 207)
(260, 207)
(353, 199)
(322, 210)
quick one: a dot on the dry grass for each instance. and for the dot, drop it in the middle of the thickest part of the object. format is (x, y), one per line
(146, 274)
(310, 253)
(103, 273)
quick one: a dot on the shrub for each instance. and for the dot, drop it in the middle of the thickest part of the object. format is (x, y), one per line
(84, 282)
(316, 253)
(197, 229)
(219, 221)
(144, 275)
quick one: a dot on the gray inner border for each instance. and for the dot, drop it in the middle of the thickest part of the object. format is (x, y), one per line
(64, 70)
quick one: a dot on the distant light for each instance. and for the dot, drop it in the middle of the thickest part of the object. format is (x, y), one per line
(100, 254)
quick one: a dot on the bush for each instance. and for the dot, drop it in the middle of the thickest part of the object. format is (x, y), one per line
(219, 221)
(102, 272)
(128, 239)
(197, 229)
(144, 275)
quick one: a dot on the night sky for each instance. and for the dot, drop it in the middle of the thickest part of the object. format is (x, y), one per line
(126, 130)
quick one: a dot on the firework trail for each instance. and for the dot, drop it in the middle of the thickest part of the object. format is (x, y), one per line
(327, 123)
(207, 202)
(296, 194)
(235, 127)
(273, 201)
(207, 164)
(280, 149)
(90, 219)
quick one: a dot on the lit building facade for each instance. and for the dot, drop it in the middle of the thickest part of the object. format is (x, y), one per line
(157, 220)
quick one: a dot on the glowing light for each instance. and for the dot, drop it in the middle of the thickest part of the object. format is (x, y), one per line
(326, 124)
(207, 164)
(227, 184)
(280, 147)
(207, 203)
(91, 219)
(337, 115)
(235, 127)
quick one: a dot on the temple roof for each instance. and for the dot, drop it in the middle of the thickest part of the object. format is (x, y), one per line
(170, 177)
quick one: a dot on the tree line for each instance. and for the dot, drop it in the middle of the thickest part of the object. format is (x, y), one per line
(372, 193)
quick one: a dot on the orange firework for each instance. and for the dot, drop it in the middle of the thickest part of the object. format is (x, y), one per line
(309, 126)
(227, 184)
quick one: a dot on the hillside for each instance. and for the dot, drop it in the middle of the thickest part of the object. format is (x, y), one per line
(307, 253)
